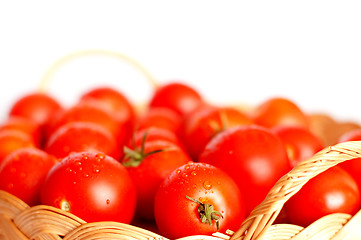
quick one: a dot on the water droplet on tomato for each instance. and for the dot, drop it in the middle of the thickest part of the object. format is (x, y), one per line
(194, 173)
(194, 185)
(186, 167)
(96, 170)
(99, 156)
(207, 185)
(184, 175)
(178, 171)
(86, 175)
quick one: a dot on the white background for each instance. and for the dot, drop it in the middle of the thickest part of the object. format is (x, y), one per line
(231, 51)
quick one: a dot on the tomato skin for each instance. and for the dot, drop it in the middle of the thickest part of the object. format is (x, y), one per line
(24, 125)
(333, 191)
(203, 124)
(279, 111)
(353, 166)
(38, 107)
(91, 185)
(176, 216)
(23, 171)
(160, 117)
(177, 96)
(79, 137)
(153, 169)
(11, 140)
(253, 156)
(90, 111)
(299, 142)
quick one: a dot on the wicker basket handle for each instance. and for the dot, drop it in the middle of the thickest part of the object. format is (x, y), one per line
(262, 217)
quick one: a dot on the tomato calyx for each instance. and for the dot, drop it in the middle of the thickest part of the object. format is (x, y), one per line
(207, 213)
(134, 157)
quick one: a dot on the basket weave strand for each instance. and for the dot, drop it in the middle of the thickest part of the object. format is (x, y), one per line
(18, 221)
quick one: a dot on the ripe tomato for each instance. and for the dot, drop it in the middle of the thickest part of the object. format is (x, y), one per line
(279, 111)
(24, 125)
(91, 185)
(151, 134)
(176, 96)
(39, 107)
(148, 165)
(204, 123)
(91, 111)
(353, 166)
(253, 156)
(299, 142)
(198, 198)
(23, 172)
(10, 140)
(333, 191)
(80, 137)
(160, 117)
(115, 101)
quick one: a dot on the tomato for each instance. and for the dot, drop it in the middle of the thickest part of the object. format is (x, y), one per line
(11, 140)
(79, 137)
(151, 134)
(91, 111)
(23, 172)
(179, 97)
(353, 166)
(252, 155)
(38, 107)
(24, 125)
(203, 124)
(333, 191)
(279, 111)
(160, 117)
(299, 142)
(91, 185)
(148, 166)
(116, 102)
(198, 199)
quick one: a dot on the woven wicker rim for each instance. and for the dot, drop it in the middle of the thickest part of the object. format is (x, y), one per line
(19, 221)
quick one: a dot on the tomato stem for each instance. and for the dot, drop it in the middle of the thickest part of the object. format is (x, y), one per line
(207, 213)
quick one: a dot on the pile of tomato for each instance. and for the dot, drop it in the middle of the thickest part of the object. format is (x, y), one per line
(179, 167)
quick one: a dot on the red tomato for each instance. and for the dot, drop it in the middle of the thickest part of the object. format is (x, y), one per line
(279, 111)
(299, 142)
(353, 166)
(160, 117)
(11, 140)
(39, 107)
(91, 185)
(23, 172)
(179, 97)
(151, 134)
(194, 199)
(148, 166)
(116, 102)
(333, 191)
(253, 156)
(203, 124)
(91, 111)
(24, 125)
(80, 137)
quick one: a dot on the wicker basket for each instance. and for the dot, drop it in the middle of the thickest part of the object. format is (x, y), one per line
(19, 221)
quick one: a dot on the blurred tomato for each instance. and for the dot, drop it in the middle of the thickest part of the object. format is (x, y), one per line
(202, 125)
(279, 111)
(299, 142)
(23, 172)
(333, 191)
(177, 96)
(11, 140)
